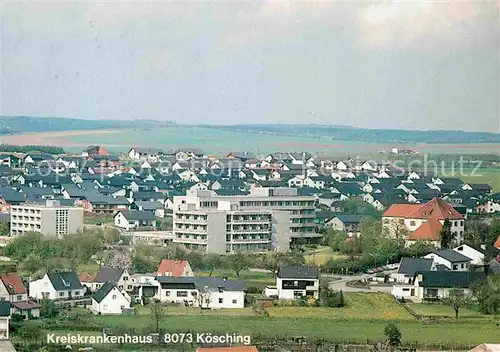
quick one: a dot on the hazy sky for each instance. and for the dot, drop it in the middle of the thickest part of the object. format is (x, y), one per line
(415, 65)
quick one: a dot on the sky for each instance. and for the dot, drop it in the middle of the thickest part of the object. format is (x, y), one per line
(411, 65)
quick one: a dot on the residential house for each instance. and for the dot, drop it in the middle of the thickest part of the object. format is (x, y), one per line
(295, 281)
(475, 254)
(431, 285)
(12, 289)
(156, 208)
(109, 299)
(132, 219)
(423, 222)
(151, 154)
(205, 292)
(451, 259)
(119, 276)
(100, 204)
(175, 268)
(59, 285)
(4, 320)
(9, 196)
(345, 223)
(94, 150)
(409, 266)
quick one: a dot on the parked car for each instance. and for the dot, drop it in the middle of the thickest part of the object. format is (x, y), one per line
(378, 269)
(369, 271)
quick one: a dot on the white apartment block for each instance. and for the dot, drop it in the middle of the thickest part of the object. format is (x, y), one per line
(48, 219)
(266, 219)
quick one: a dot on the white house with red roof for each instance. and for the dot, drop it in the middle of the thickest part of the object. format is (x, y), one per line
(175, 268)
(12, 290)
(423, 222)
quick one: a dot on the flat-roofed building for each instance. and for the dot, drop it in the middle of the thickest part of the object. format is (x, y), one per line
(49, 218)
(266, 219)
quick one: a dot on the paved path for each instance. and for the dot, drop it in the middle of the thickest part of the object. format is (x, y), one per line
(341, 284)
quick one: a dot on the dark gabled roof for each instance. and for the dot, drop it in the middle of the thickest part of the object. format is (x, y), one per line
(325, 215)
(67, 280)
(109, 274)
(40, 156)
(480, 186)
(296, 167)
(215, 283)
(452, 256)
(148, 195)
(298, 272)
(349, 219)
(37, 192)
(4, 308)
(306, 191)
(137, 215)
(408, 266)
(102, 199)
(148, 206)
(9, 194)
(451, 279)
(103, 291)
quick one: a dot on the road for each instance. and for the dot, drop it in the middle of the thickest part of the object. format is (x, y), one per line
(339, 285)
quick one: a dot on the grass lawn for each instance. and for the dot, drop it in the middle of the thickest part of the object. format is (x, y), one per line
(177, 310)
(360, 305)
(339, 330)
(91, 268)
(321, 255)
(443, 310)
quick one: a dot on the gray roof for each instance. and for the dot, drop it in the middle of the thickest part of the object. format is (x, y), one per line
(452, 256)
(109, 274)
(148, 205)
(298, 272)
(409, 266)
(349, 219)
(442, 267)
(137, 215)
(458, 279)
(103, 291)
(67, 280)
(212, 283)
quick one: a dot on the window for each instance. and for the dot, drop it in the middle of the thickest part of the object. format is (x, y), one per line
(113, 297)
(221, 300)
(461, 223)
(234, 301)
(462, 265)
(129, 287)
(2, 299)
(182, 293)
(167, 293)
(77, 293)
(125, 278)
(19, 297)
(406, 289)
(456, 223)
(412, 223)
(61, 294)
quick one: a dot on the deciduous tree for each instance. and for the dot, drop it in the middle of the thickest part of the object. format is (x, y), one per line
(457, 299)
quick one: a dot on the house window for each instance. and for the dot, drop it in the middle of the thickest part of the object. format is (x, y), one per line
(406, 290)
(456, 223)
(129, 287)
(461, 223)
(462, 265)
(221, 300)
(182, 293)
(167, 293)
(19, 297)
(113, 297)
(77, 293)
(2, 299)
(125, 278)
(412, 223)
(61, 294)
(234, 301)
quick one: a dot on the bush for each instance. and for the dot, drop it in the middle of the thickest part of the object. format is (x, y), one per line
(17, 318)
(392, 334)
(253, 289)
(286, 303)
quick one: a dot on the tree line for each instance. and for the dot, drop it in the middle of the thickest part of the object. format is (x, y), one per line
(7, 148)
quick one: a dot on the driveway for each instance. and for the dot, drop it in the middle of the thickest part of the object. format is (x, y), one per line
(341, 284)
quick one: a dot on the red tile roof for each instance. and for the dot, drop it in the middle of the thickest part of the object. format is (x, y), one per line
(428, 231)
(401, 210)
(26, 305)
(175, 267)
(85, 277)
(13, 283)
(436, 208)
(497, 243)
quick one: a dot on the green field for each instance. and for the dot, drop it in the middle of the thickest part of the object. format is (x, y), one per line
(491, 177)
(364, 318)
(444, 311)
(216, 141)
(321, 255)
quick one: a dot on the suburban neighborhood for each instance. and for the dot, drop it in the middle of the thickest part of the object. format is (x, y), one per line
(236, 209)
